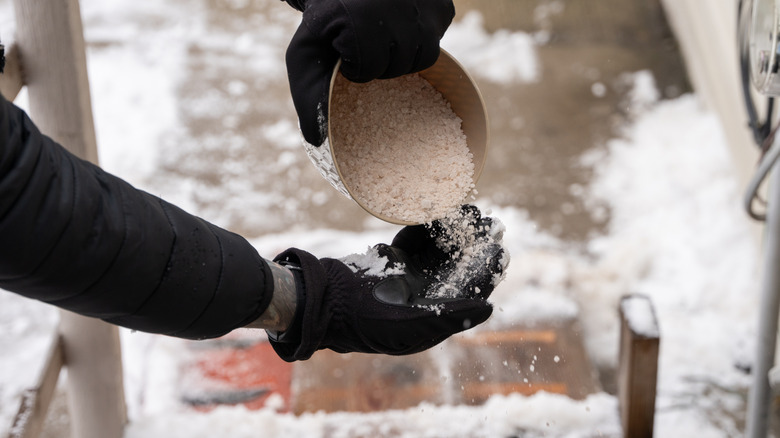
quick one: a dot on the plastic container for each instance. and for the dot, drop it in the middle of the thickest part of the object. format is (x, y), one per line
(455, 84)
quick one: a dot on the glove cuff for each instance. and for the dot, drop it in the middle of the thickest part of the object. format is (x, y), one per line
(301, 340)
(293, 333)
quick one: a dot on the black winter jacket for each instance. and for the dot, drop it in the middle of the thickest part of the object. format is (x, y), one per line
(79, 238)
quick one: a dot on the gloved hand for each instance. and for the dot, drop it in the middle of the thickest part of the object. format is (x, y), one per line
(373, 38)
(432, 282)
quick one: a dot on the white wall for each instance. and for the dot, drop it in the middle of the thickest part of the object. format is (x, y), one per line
(706, 31)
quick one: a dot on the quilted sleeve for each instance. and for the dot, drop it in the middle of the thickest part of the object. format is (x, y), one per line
(84, 240)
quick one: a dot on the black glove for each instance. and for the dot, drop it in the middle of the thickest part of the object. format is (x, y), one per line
(437, 285)
(374, 39)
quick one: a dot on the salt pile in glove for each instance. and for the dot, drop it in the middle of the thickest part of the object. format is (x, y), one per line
(468, 259)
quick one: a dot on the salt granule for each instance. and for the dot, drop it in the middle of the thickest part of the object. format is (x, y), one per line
(400, 147)
(470, 249)
(472, 246)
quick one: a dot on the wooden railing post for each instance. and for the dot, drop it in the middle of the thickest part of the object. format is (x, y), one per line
(638, 365)
(51, 43)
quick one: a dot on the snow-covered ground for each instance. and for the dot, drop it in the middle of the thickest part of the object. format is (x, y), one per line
(676, 234)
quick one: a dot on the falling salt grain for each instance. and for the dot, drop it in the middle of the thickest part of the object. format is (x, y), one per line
(405, 155)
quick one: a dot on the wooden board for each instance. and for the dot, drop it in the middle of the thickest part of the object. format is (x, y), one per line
(467, 369)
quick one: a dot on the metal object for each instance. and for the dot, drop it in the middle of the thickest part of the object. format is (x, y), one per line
(759, 400)
(760, 128)
(758, 34)
(763, 46)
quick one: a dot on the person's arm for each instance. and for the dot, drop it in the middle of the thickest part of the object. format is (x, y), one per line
(79, 238)
(74, 236)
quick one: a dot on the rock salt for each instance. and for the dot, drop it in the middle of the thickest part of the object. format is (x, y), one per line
(472, 248)
(400, 148)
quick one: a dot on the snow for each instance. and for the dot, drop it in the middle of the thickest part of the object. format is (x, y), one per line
(372, 264)
(535, 416)
(676, 235)
(26, 333)
(486, 55)
(640, 316)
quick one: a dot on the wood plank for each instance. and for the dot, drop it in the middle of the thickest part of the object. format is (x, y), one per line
(365, 382)
(51, 41)
(482, 391)
(638, 365)
(466, 369)
(352, 399)
(545, 336)
(35, 402)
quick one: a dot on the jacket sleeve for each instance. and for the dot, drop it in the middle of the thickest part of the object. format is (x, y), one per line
(81, 239)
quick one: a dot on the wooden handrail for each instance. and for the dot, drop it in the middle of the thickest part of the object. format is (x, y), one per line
(51, 43)
(30, 418)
